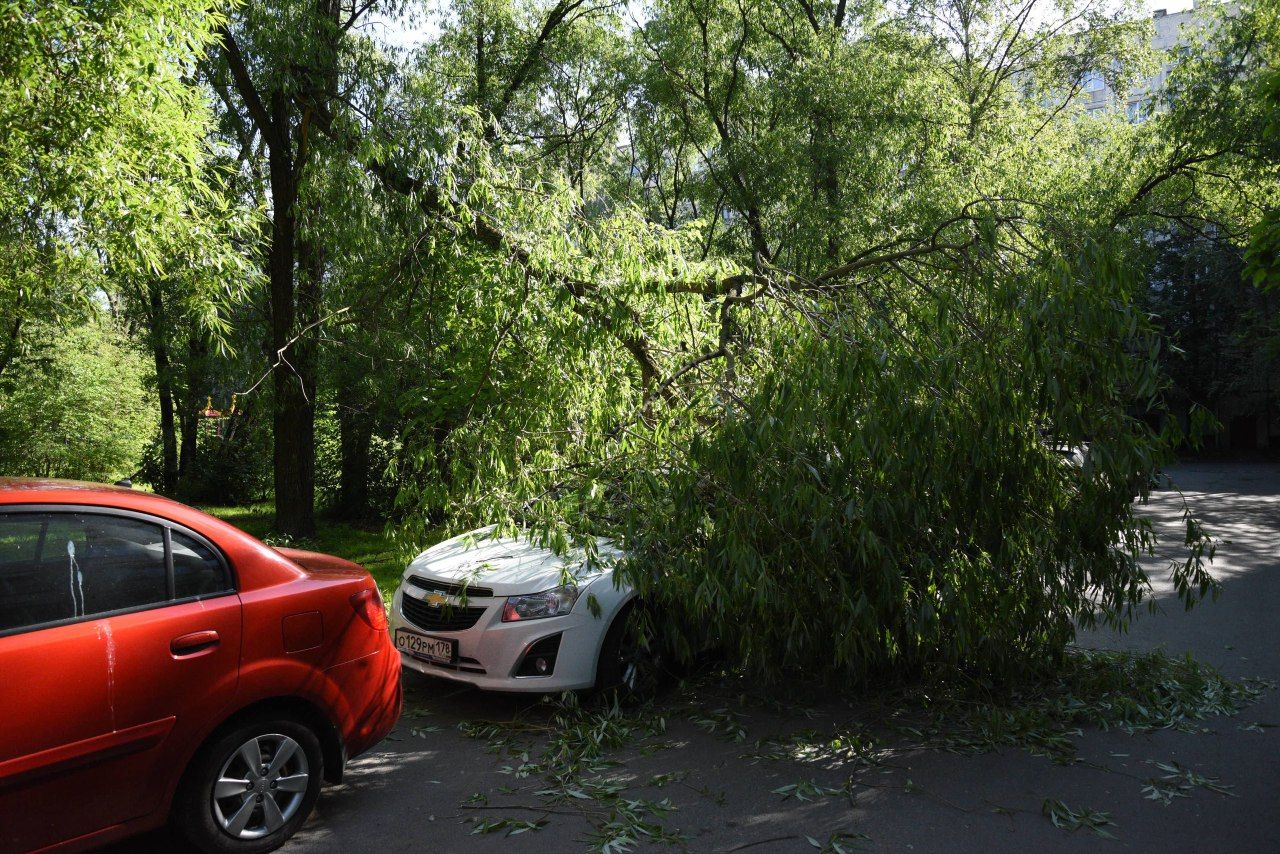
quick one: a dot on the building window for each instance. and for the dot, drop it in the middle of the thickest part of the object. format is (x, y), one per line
(1093, 81)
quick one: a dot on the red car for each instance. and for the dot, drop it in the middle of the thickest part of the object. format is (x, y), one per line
(158, 665)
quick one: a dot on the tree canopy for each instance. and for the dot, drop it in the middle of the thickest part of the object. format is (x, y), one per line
(790, 297)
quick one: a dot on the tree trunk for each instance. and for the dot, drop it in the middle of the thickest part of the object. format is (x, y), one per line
(294, 310)
(355, 426)
(188, 415)
(11, 344)
(164, 386)
(293, 376)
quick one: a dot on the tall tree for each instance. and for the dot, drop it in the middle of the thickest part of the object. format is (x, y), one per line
(103, 148)
(283, 62)
(1264, 250)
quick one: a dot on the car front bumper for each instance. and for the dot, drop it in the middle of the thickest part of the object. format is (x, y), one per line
(490, 651)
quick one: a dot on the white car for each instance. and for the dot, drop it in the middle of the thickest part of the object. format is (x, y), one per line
(497, 613)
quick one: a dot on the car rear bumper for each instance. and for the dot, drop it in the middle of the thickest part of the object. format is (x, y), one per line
(372, 698)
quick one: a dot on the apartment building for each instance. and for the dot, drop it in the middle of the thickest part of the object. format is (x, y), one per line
(1171, 30)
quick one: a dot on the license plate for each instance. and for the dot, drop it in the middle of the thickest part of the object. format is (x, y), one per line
(442, 650)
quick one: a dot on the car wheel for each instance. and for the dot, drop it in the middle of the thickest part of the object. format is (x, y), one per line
(249, 789)
(628, 666)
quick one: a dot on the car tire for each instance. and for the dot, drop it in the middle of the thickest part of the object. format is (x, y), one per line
(626, 668)
(242, 821)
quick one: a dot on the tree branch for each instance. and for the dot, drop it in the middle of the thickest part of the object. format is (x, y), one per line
(554, 19)
(248, 92)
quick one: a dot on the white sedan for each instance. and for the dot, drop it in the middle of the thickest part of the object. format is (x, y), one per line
(503, 614)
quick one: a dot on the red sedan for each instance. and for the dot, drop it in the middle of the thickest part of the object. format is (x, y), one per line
(160, 665)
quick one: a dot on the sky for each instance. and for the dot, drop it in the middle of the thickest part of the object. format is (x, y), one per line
(408, 33)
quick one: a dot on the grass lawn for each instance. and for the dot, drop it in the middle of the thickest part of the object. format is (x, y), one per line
(368, 546)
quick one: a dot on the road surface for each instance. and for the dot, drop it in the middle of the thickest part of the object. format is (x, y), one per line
(408, 794)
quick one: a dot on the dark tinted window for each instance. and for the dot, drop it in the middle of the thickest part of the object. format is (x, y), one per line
(30, 583)
(196, 569)
(123, 565)
(58, 566)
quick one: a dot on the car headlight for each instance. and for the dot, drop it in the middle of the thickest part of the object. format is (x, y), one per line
(549, 603)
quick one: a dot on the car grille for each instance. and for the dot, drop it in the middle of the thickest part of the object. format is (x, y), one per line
(445, 618)
(464, 665)
(445, 587)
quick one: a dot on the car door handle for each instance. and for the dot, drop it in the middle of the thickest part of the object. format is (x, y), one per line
(193, 643)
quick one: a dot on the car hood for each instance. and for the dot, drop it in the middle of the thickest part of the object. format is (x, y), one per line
(509, 566)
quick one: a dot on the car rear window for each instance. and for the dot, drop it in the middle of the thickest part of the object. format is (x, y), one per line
(58, 566)
(197, 571)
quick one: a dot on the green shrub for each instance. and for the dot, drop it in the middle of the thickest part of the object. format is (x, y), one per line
(231, 469)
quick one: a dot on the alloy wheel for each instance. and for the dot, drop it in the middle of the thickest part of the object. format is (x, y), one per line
(261, 786)
(637, 665)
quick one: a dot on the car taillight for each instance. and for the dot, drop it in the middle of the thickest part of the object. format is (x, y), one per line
(368, 605)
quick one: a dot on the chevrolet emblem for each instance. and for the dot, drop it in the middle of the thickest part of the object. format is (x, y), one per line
(435, 600)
